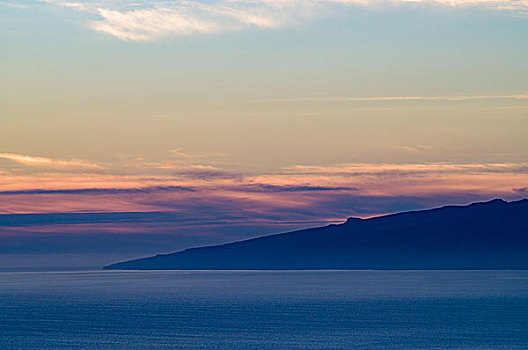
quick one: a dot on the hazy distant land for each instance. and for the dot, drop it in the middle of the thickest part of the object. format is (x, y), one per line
(488, 235)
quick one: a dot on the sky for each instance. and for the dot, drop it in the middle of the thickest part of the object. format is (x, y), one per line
(140, 127)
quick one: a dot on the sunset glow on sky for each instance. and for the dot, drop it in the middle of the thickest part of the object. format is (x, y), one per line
(247, 117)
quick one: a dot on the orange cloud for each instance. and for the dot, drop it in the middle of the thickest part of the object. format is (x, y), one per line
(60, 164)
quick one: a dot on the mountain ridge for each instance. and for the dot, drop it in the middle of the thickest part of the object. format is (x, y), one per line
(483, 235)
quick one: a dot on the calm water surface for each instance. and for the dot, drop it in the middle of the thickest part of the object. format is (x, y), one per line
(264, 310)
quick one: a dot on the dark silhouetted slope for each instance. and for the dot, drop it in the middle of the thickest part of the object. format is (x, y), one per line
(489, 235)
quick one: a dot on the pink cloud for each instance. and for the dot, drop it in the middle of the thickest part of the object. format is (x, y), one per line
(294, 190)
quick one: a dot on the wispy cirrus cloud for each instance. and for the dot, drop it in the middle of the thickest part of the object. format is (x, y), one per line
(445, 98)
(13, 4)
(49, 163)
(393, 170)
(150, 20)
(179, 162)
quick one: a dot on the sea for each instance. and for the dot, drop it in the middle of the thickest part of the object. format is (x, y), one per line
(264, 310)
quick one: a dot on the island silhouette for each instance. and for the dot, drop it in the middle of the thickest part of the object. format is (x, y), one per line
(485, 235)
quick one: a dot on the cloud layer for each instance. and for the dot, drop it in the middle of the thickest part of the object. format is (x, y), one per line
(50, 205)
(42, 162)
(150, 20)
(298, 193)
